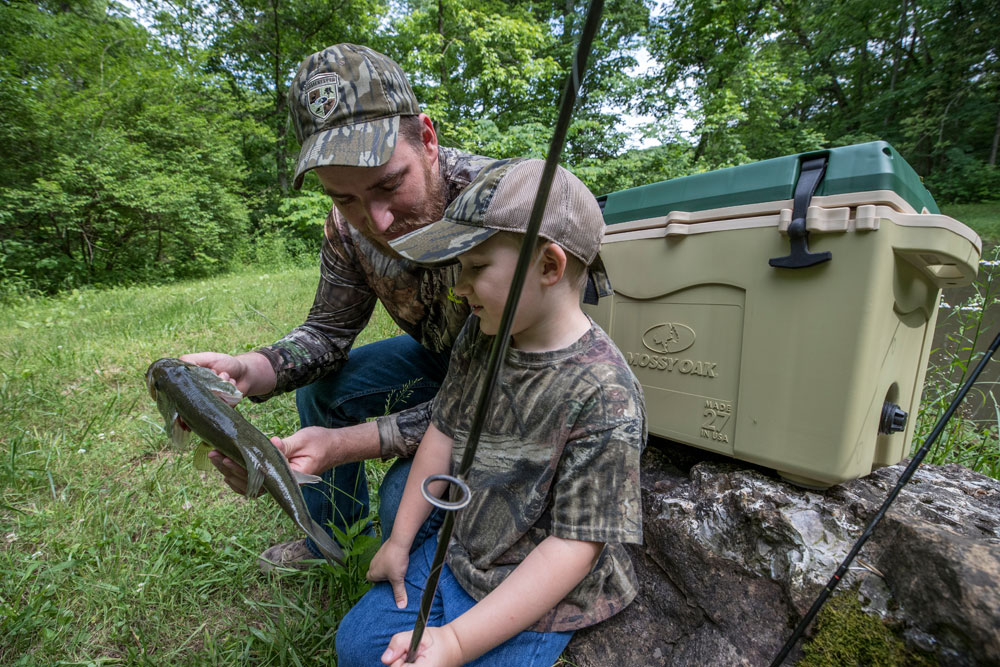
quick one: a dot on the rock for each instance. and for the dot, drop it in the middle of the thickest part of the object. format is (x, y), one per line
(734, 557)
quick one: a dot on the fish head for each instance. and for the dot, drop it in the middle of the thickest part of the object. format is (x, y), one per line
(156, 383)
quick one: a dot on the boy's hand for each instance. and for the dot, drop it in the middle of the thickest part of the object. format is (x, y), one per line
(389, 564)
(439, 647)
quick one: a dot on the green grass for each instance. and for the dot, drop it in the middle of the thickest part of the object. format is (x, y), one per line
(983, 218)
(113, 548)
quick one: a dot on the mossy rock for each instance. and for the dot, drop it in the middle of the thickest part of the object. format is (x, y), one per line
(846, 635)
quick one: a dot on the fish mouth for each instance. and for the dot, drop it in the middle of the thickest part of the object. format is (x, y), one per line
(151, 384)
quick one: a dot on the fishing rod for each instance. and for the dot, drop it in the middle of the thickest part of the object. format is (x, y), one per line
(903, 479)
(499, 348)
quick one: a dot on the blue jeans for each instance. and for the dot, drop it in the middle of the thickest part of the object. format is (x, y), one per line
(364, 633)
(373, 375)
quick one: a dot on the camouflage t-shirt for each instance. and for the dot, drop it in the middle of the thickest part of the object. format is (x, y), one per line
(354, 274)
(558, 455)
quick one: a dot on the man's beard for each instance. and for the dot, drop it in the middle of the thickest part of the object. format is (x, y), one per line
(431, 210)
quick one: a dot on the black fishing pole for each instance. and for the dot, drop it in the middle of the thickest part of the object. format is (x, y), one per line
(903, 479)
(499, 348)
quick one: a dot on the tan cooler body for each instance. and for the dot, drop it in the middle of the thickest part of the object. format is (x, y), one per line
(803, 352)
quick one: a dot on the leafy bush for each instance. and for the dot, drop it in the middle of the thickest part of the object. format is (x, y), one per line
(291, 237)
(963, 179)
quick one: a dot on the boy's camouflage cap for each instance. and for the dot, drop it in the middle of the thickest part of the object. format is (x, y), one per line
(345, 104)
(500, 199)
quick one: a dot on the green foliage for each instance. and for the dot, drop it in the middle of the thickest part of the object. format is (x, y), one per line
(636, 167)
(159, 149)
(132, 178)
(471, 61)
(846, 635)
(763, 79)
(964, 179)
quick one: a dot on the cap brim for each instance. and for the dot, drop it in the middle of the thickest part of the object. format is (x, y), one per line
(440, 242)
(365, 144)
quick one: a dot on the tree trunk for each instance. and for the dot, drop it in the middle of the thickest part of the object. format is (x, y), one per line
(442, 66)
(996, 142)
(897, 53)
(280, 119)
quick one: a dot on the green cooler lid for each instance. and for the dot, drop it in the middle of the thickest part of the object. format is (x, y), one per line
(859, 168)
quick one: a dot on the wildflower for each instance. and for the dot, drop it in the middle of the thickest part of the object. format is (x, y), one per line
(81, 451)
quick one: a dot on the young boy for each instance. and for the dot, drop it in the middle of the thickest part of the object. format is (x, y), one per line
(537, 554)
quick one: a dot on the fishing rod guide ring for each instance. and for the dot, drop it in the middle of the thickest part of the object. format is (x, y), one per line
(447, 505)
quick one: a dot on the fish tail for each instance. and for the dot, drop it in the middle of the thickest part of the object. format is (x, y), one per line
(331, 550)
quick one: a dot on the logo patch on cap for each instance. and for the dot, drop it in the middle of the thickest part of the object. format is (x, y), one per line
(322, 93)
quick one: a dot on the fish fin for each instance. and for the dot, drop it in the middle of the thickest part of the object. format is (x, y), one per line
(201, 461)
(230, 398)
(331, 551)
(180, 436)
(225, 391)
(305, 478)
(255, 478)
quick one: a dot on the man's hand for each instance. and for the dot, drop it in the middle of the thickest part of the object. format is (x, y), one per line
(252, 372)
(311, 450)
(389, 564)
(438, 647)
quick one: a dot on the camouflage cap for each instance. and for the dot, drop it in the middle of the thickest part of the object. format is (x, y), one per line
(500, 199)
(345, 102)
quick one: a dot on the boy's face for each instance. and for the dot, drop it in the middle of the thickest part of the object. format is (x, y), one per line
(487, 271)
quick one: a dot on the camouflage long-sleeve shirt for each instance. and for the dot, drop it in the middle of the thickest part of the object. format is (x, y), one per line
(354, 274)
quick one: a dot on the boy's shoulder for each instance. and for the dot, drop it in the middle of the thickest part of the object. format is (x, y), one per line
(616, 389)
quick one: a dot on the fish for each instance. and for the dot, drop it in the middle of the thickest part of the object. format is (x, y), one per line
(194, 399)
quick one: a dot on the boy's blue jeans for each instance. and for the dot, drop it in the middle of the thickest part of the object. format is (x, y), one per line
(364, 633)
(373, 374)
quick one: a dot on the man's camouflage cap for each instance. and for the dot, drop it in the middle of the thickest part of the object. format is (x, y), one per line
(500, 199)
(345, 103)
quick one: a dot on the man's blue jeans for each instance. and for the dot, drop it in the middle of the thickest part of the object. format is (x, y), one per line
(364, 633)
(396, 373)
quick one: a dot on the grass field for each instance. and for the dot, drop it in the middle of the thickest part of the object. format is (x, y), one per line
(113, 548)
(983, 217)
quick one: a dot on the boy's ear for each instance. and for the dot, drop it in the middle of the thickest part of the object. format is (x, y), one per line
(553, 263)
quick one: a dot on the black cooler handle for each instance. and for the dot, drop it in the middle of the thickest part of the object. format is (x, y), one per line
(810, 176)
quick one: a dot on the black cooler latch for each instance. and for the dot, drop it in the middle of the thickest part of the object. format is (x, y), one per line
(810, 175)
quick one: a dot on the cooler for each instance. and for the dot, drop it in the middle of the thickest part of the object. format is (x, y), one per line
(782, 312)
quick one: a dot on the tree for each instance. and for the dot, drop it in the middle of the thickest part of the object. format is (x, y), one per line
(124, 170)
(762, 78)
(491, 73)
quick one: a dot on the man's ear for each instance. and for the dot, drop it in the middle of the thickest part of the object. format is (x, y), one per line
(552, 261)
(428, 137)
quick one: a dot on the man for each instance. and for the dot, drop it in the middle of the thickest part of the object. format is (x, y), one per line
(377, 156)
